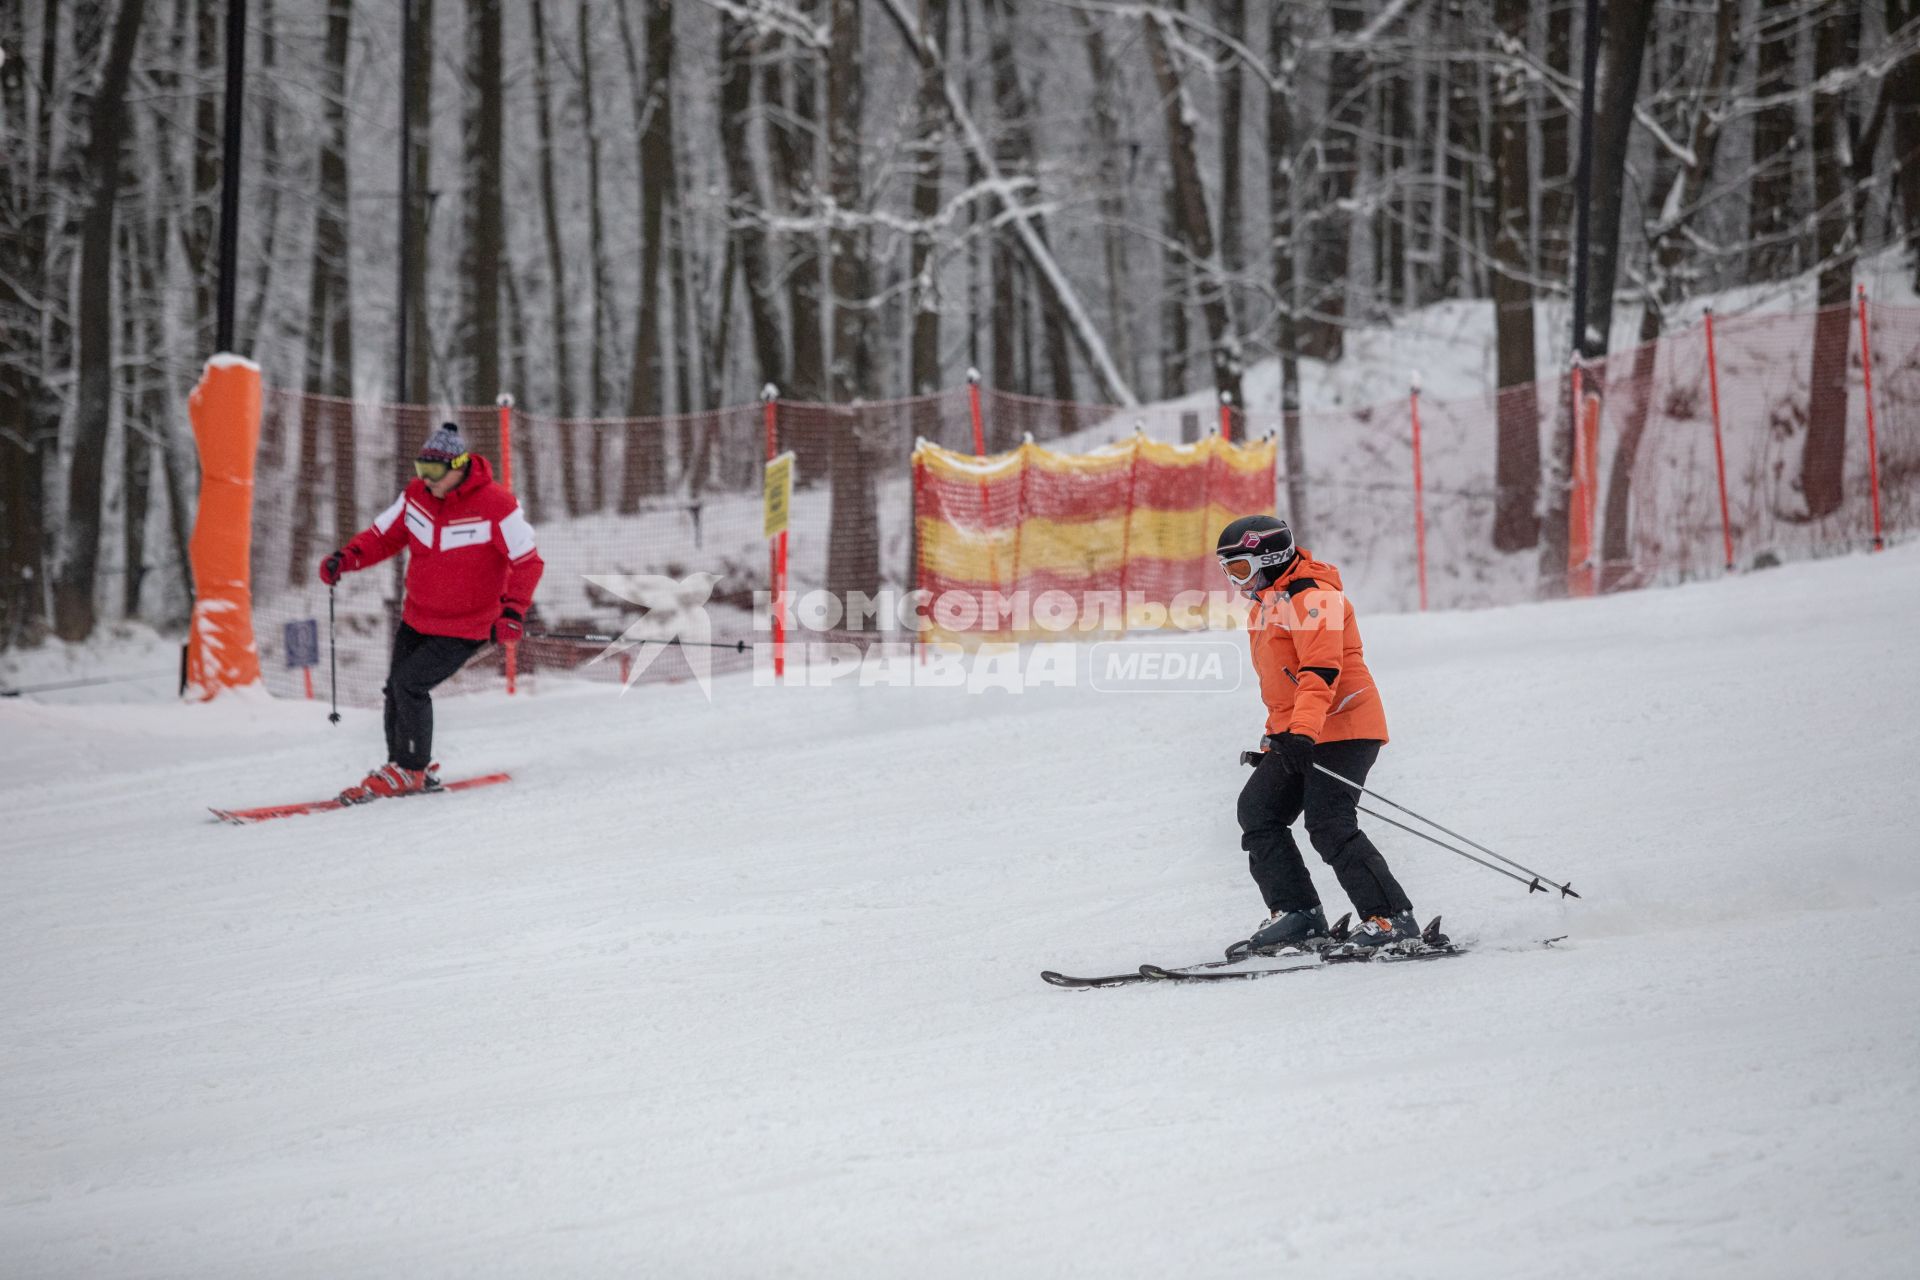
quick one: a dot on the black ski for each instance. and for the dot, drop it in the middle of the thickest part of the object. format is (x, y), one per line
(1238, 953)
(1433, 945)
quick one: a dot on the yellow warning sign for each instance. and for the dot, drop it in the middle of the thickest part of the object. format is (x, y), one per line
(779, 493)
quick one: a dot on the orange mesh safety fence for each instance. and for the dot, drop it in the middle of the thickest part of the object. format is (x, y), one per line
(1117, 529)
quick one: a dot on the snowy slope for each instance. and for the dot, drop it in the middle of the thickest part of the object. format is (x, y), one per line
(750, 988)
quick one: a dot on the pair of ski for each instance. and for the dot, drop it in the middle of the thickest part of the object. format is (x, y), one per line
(242, 817)
(1238, 965)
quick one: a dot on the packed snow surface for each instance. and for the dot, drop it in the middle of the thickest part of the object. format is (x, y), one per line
(750, 987)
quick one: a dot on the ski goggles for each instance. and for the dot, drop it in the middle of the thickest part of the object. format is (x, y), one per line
(434, 469)
(1239, 568)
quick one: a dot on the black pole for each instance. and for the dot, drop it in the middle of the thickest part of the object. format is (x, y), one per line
(230, 169)
(333, 665)
(407, 34)
(1583, 180)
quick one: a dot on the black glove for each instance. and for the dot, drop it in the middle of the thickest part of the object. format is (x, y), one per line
(1294, 749)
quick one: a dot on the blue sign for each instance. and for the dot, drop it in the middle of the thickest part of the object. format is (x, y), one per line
(303, 643)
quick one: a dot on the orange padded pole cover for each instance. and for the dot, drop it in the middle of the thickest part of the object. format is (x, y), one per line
(225, 409)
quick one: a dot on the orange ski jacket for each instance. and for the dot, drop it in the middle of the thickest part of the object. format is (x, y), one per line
(1306, 650)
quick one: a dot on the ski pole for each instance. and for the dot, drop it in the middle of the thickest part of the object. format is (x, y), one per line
(1533, 885)
(333, 664)
(1566, 890)
(588, 637)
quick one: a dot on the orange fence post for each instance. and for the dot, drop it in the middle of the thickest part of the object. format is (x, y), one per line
(505, 403)
(1719, 447)
(1419, 498)
(777, 569)
(225, 410)
(1226, 416)
(1580, 505)
(1873, 443)
(973, 399)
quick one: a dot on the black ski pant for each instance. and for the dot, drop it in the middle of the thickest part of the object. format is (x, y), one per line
(419, 663)
(1273, 798)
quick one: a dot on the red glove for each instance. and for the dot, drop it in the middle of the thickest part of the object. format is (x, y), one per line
(339, 562)
(509, 627)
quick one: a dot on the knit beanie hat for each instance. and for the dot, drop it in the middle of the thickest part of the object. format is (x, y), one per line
(444, 445)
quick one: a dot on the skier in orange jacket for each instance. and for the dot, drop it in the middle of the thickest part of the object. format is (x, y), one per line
(1322, 709)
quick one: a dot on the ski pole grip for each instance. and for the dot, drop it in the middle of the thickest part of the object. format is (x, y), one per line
(1252, 759)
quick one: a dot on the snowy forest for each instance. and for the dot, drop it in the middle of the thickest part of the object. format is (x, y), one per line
(628, 208)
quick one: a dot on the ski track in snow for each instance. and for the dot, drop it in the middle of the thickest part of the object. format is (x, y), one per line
(751, 988)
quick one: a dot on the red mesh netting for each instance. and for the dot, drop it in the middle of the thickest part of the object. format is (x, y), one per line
(676, 496)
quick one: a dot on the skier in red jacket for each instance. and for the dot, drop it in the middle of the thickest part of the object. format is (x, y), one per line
(471, 571)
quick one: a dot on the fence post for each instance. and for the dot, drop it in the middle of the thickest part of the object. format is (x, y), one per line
(1580, 575)
(777, 568)
(1226, 416)
(973, 399)
(1719, 446)
(1873, 443)
(1419, 495)
(504, 402)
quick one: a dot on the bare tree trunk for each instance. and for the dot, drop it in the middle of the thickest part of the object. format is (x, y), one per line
(792, 148)
(24, 205)
(484, 243)
(139, 329)
(1113, 199)
(930, 139)
(853, 553)
(1332, 224)
(1556, 153)
(600, 394)
(558, 297)
(1019, 159)
(1516, 519)
(1176, 287)
(739, 46)
(1667, 245)
(1776, 144)
(1823, 462)
(1283, 55)
(266, 212)
(1903, 99)
(1196, 227)
(73, 587)
(1046, 268)
(645, 472)
(1624, 39)
(201, 220)
(329, 329)
(1231, 17)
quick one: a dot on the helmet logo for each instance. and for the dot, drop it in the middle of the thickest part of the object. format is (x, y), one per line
(1250, 539)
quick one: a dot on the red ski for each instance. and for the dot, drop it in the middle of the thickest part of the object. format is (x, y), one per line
(240, 817)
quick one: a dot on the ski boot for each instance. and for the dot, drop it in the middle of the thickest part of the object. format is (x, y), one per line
(388, 780)
(1384, 933)
(1303, 932)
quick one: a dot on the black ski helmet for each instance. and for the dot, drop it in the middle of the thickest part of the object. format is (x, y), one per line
(1264, 543)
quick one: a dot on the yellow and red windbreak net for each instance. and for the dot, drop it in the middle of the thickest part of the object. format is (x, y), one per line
(1134, 521)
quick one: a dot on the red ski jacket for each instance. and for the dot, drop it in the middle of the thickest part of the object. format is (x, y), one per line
(471, 554)
(1306, 649)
